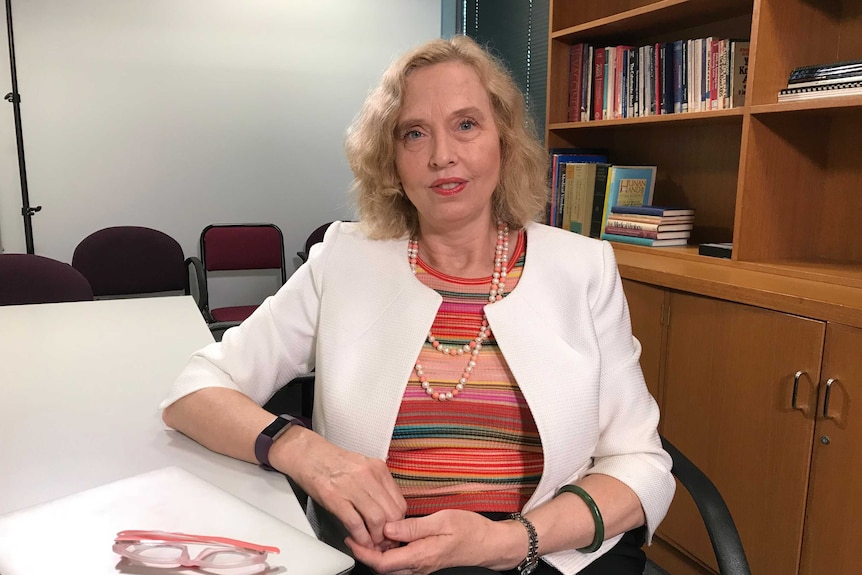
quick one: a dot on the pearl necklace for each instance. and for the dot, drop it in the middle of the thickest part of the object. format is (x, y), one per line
(495, 294)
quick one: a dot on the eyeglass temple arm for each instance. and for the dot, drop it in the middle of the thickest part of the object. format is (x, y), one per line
(138, 535)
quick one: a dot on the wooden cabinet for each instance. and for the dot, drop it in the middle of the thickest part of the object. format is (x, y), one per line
(743, 392)
(728, 405)
(648, 310)
(833, 526)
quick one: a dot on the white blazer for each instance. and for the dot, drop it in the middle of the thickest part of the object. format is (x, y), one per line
(357, 315)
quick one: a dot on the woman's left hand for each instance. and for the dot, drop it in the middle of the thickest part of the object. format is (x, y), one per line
(451, 538)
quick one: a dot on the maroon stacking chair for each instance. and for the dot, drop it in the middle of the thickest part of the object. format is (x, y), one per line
(28, 279)
(131, 260)
(232, 248)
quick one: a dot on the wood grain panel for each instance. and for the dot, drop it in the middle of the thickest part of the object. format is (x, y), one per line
(790, 33)
(728, 387)
(833, 527)
(646, 307)
(785, 170)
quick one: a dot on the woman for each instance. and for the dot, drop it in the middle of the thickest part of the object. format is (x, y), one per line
(478, 397)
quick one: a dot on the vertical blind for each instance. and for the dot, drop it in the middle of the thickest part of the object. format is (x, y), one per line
(517, 32)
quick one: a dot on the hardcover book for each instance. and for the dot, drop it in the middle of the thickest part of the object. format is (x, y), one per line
(628, 186)
(645, 241)
(646, 226)
(648, 210)
(651, 234)
(739, 72)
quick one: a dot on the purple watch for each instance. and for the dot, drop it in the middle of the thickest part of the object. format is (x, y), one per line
(271, 432)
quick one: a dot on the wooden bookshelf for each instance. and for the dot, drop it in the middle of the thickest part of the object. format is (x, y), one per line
(783, 181)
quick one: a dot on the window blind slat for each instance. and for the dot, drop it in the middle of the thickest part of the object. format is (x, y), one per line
(517, 32)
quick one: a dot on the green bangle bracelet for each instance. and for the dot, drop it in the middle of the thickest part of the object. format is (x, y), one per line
(599, 536)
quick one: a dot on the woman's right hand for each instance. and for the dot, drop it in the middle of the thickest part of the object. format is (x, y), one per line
(358, 490)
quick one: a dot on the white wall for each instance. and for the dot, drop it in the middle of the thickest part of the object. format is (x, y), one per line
(174, 114)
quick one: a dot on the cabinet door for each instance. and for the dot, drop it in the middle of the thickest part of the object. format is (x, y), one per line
(646, 307)
(728, 387)
(833, 527)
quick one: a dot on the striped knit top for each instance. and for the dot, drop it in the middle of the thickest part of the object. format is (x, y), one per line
(480, 451)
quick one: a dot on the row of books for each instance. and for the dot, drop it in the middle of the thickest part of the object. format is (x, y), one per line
(664, 78)
(823, 81)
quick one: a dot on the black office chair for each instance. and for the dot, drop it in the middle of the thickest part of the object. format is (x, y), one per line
(29, 279)
(313, 238)
(297, 397)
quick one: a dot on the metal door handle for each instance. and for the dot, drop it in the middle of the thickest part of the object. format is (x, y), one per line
(826, 395)
(796, 378)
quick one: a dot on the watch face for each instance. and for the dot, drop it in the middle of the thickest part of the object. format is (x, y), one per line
(277, 425)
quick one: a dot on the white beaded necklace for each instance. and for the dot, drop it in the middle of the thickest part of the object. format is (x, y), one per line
(495, 294)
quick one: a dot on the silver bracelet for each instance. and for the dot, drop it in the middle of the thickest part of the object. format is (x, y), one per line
(531, 561)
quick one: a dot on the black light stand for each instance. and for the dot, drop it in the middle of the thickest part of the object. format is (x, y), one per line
(15, 98)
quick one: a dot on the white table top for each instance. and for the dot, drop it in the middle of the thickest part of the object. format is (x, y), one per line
(80, 385)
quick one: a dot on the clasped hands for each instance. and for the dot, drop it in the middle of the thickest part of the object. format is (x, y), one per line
(362, 494)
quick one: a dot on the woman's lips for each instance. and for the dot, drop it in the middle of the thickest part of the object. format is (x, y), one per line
(448, 186)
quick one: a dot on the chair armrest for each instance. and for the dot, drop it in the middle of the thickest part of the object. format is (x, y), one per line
(716, 516)
(303, 256)
(201, 282)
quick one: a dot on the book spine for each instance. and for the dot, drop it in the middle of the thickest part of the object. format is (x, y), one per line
(713, 74)
(684, 77)
(627, 239)
(630, 225)
(600, 188)
(634, 71)
(739, 77)
(586, 84)
(649, 234)
(598, 83)
(667, 65)
(677, 76)
(650, 88)
(722, 75)
(576, 61)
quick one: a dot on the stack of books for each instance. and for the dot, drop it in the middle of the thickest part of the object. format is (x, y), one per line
(649, 225)
(823, 81)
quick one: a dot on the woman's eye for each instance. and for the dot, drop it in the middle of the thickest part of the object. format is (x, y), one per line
(412, 135)
(467, 125)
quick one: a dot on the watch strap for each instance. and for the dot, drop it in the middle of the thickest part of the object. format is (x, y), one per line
(270, 433)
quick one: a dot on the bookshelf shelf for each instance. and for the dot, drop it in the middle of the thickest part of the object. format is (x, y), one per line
(834, 105)
(715, 116)
(650, 18)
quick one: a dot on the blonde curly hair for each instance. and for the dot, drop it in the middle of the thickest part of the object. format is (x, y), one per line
(384, 209)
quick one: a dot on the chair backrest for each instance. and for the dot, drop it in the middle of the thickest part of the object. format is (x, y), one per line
(127, 260)
(236, 247)
(28, 278)
(313, 238)
(226, 247)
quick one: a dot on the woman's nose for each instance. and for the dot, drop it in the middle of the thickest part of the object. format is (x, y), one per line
(443, 152)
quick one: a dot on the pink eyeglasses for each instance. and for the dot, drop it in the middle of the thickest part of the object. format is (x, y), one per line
(168, 549)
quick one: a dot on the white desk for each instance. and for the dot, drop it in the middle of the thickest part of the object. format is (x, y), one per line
(80, 385)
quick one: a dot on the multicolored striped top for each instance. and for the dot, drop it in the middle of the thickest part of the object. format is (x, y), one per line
(480, 451)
